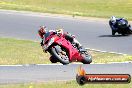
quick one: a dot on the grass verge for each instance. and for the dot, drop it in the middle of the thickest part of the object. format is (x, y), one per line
(68, 84)
(13, 51)
(92, 8)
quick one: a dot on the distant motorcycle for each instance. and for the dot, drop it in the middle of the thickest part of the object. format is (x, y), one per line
(63, 51)
(122, 27)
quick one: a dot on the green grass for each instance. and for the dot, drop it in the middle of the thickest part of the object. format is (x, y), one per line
(13, 51)
(92, 8)
(67, 84)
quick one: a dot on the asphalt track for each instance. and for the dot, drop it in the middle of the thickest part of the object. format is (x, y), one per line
(91, 33)
(43, 73)
(94, 34)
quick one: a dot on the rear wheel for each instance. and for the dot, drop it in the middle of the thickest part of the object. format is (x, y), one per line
(130, 31)
(123, 34)
(87, 58)
(60, 54)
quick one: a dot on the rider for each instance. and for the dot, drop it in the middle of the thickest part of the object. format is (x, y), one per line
(113, 22)
(42, 31)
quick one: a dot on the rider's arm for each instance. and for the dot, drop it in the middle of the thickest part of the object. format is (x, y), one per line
(112, 25)
(41, 42)
(69, 37)
(53, 31)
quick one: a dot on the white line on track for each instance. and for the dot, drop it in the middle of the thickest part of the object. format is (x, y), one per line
(105, 51)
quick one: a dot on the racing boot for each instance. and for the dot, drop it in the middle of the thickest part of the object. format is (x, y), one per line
(82, 49)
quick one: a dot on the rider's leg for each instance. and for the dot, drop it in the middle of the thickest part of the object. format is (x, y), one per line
(77, 43)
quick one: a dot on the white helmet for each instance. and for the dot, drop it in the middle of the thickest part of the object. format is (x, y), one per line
(113, 19)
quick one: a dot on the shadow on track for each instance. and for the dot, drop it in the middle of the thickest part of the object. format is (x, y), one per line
(113, 35)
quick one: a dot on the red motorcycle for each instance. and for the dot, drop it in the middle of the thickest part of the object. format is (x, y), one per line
(63, 51)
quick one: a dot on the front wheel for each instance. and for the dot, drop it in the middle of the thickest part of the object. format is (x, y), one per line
(113, 32)
(53, 59)
(60, 54)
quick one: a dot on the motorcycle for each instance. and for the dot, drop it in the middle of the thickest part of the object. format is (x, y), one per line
(122, 27)
(61, 50)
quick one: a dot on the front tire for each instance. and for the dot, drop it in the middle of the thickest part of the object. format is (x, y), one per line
(113, 32)
(53, 59)
(60, 54)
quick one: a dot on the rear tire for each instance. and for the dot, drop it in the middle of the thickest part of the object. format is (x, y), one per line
(130, 31)
(123, 34)
(61, 58)
(87, 58)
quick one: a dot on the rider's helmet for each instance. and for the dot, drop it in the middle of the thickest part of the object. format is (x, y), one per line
(59, 31)
(42, 31)
(113, 19)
